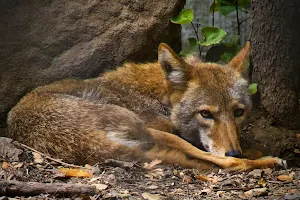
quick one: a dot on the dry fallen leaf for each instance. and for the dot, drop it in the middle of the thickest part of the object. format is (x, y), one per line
(268, 171)
(87, 166)
(19, 165)
(186, 179)
(156, 173)
(37, 158)
(256, 173)
(256, 192)
(152, 187)
(95, 179)
(206, 178)
(292, 174)
(5, 165)
(262, 182)
(152, 164)
(100, 186)
(149, 196)
(68, 172)
(284, 178)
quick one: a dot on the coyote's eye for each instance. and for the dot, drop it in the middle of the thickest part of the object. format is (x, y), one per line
(238, 112)
(206, 114)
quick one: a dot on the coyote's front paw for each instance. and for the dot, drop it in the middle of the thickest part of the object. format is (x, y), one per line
(272, 162)
(236, 164)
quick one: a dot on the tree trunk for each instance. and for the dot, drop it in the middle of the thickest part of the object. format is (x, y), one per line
(276, 59)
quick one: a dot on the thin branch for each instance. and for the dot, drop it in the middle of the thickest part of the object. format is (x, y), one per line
(244, 20)
(213, 14)
(237, 17)
(229, 189)
(201, 49)
(196, 33)
(18, 188)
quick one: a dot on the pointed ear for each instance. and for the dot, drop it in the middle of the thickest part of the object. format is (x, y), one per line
(241, 61)
(175, 68)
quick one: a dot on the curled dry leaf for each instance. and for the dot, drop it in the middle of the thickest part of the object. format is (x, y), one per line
(95, 179)
(206, 178)
(152, 164)
(285, 178)
(262, 182)
(37, 158)
(256, 173)
(152, 187)
(149, 196)
(292, 174)
(186, 179)
(5, 165)
(100, 186)
(19, 165)
(256, 192)
(156, 173)
(68, 172)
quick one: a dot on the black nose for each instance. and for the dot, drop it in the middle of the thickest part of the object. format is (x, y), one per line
(235, 153)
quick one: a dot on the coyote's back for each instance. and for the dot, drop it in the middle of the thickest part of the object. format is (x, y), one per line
(173, 110)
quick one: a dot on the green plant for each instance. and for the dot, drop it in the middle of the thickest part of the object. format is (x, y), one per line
(222, 46)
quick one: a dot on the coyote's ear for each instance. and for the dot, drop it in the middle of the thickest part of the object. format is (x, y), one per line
(241, 61)
(175, 68)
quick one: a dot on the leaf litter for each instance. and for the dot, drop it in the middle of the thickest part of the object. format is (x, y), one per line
(132, 180)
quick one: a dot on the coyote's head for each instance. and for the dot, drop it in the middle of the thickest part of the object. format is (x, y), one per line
(210, 101)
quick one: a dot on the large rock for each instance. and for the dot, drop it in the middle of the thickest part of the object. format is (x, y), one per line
(43, 41)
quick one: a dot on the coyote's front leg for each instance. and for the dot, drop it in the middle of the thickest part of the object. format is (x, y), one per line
(177, 150)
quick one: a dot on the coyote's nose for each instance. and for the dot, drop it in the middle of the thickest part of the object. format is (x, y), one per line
(235, 153)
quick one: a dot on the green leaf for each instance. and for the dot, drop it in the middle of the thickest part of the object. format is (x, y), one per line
(222, 52)
(190, 49)
(226, 10)
(216, 8)
(231, 40)
(212, 35)
(252, 89)
(184, 17)
(230, 52)
(244, 3)
(225, 7)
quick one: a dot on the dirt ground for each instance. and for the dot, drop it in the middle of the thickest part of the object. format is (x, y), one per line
(128, 180)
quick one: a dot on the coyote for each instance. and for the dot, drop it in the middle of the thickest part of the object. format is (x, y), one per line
(180, 111)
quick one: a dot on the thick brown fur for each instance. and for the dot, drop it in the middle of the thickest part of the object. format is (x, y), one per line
(132, 113)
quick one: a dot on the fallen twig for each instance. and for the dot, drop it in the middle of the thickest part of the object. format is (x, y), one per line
(53, 159)
(118, 163)
(228, 189)
(18, 188)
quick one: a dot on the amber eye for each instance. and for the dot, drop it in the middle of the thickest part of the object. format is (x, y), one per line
(238, 112)
(206, 114)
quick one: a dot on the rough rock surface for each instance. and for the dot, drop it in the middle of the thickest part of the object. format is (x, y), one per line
(44, 41)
